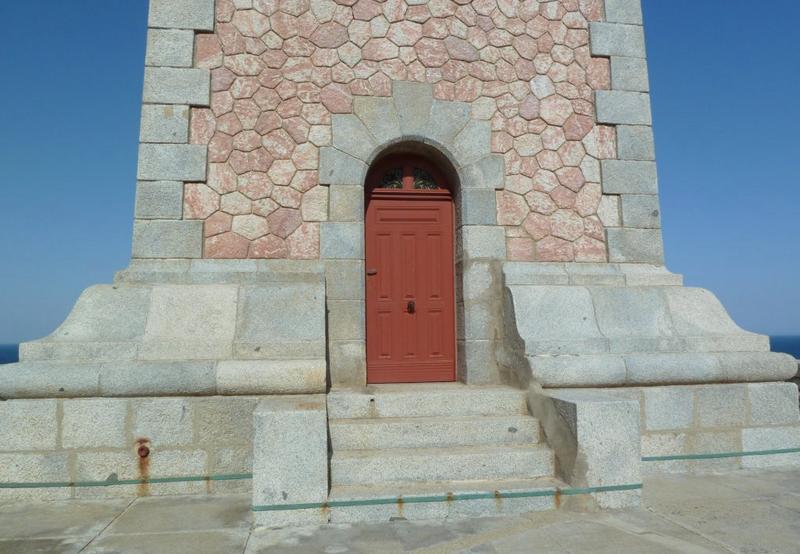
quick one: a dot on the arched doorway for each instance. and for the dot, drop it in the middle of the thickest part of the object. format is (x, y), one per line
(410, 296)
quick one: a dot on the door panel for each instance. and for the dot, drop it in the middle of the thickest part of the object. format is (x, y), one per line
(409, 242)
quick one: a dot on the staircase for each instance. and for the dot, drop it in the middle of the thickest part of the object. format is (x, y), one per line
(435, 451)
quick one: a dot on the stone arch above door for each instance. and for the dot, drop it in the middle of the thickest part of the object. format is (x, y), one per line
(377, 124)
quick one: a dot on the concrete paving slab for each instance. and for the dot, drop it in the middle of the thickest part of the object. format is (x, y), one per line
(184, 513)
(66, 545)
(190, 542)
(70, 518)
(743, 526)
(741, 511)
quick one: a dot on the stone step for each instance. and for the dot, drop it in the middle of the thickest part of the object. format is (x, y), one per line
(372, 467)
(441, 500)
(422, 432)
(425, 400)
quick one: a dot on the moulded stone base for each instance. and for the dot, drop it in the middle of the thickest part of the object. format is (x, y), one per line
(704, 428)
(585, 325)
(173, 327)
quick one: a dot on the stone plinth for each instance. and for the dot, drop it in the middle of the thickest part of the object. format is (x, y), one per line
(290, 461)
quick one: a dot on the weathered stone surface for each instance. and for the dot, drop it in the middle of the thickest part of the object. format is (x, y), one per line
(182, 14)
(271, 376)
(159, 200)
(341, 240)
(164, 123)
(640, 211)
(487, 172)
(338, 168)
(413, 102)
(167, 239)
(473, 142)
(290, 459)
(156, 378)
(351, 136)
(635, 142)
(172, 162)
(624, 11)
(346, 319)
(773, 403)
(619, 107)
(616, 39)
(772, 438)
(169, 48)
(28, 425)
(476, 207)
(480, 241)
(162, 421)
(347, 203)
(447, 119)
(79, 424)
(635, 245)
(168, 85)
(344, 279)
(380, 117)
(596, 440)
(629, 177)
(347, 360)
(668, 408)
(199, 318)
(629, 74)
(300, 330)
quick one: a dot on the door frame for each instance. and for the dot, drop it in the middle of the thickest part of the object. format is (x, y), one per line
(444, 193)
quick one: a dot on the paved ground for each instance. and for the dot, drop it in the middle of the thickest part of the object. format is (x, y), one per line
(734, 512)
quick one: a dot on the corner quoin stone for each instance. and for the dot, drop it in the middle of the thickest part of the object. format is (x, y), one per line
(167, 239)
(641, 211)
(169, 48)
(624, 11)
(164, 123)
(615, 39)
(635, 246)
(172, 162)
(629, 177)
(622, 107)
(159, 200)
(635, 142)
(177, 85)
(629, 74)
(182, 14)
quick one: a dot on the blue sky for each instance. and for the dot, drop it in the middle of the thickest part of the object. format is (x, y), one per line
(724, 77)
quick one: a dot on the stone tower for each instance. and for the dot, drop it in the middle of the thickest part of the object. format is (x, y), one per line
(336, 194)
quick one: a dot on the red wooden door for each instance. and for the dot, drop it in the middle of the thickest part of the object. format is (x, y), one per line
(409, 262)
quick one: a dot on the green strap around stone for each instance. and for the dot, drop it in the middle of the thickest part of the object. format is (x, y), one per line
(369, 502)
(444, 498)
(715, 455)
(190, 478)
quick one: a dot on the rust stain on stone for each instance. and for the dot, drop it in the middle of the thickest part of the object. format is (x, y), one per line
(143, 455)
(498, 501)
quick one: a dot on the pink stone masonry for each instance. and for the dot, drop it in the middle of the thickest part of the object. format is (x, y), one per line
(281, 67)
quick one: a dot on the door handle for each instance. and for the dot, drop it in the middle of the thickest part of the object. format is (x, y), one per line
(411, 307)
(372, 271)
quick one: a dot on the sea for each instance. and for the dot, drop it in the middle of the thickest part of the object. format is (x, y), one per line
(789, 344)
(9, 353)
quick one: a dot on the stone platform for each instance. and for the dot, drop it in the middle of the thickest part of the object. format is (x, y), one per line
(741, 511)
